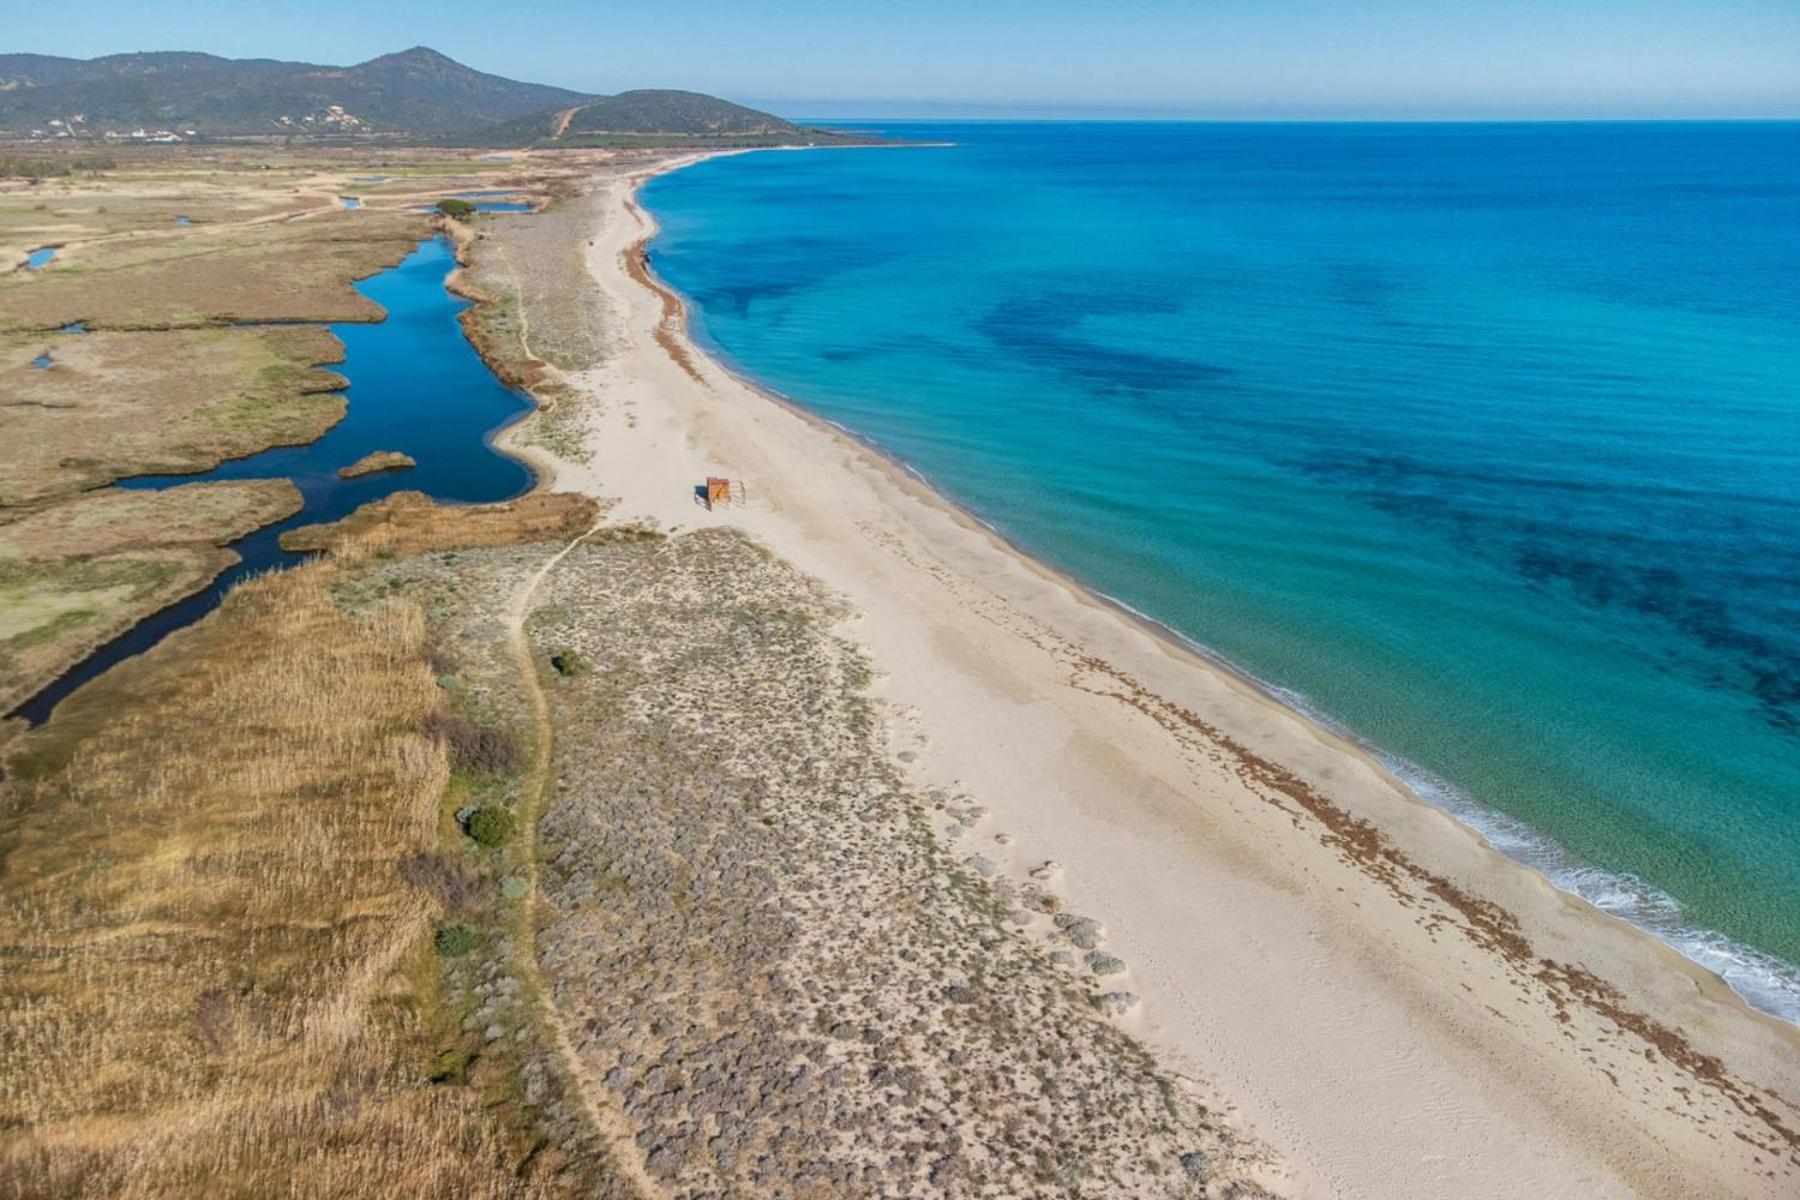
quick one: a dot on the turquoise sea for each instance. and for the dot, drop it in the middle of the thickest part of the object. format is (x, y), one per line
(1482, 442)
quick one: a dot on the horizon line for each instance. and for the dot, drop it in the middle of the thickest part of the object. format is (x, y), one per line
(1312, 120)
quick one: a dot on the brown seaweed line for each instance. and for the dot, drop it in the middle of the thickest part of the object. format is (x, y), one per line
(1485, 923)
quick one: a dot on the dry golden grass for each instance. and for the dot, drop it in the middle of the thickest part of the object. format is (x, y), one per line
(411, 523)
(215, 979)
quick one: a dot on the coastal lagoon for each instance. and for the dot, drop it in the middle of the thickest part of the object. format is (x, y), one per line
(416, 385)
(1480, 442)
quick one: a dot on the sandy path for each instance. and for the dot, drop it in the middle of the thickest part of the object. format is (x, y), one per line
(1398, 1009)
(562, 121)
(627, 1159)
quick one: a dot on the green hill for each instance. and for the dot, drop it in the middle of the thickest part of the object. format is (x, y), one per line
(417, 91)
(656, 117)
(663, 111)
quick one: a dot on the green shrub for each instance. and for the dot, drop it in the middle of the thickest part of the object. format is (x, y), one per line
(459, 210)
(490, 825)
(40, 169)
(454, 941)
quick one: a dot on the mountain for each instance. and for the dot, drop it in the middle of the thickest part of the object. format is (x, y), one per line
(417, 91)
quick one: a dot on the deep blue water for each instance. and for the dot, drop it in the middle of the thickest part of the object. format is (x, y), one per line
(1482, 441)
(39, 258)
(416, 385)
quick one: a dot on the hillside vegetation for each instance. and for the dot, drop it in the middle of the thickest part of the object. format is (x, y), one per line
(651, 118)
(414, 91)
(665, 111)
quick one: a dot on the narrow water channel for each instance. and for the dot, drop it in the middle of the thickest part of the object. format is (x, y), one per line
(417, 386)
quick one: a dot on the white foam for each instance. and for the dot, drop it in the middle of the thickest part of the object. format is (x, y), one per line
(1765, 982)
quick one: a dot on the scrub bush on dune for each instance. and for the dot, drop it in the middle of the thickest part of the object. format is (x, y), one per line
(490, 825)
(454, 941)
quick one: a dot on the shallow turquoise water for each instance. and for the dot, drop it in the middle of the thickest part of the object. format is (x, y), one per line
(1480, 441)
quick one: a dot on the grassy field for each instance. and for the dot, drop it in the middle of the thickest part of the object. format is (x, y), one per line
(224, 873)
(242, 933)
(147, 190)
(112, 404)
(297, 270)
(409, 523)
(180, 323)
(75, 574)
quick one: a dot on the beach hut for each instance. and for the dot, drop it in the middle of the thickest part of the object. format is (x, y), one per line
(718, 491)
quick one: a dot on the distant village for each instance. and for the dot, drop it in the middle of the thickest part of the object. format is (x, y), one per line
(331, 117)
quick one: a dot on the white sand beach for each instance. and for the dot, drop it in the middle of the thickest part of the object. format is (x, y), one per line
(1395, 1008)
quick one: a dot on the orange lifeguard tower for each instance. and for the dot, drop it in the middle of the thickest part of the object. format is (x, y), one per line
(718, 490)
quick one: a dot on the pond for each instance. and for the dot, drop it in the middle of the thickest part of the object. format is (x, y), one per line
(417, 386)
(36, 259)
(489, 200)
(487, 206)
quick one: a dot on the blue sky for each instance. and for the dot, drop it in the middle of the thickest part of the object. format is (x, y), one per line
(1204, 58)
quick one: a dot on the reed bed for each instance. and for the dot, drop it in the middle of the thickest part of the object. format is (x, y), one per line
(215, 976)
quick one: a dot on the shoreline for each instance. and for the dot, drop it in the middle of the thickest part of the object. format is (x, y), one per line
(1244, 806)
(1778, 997)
